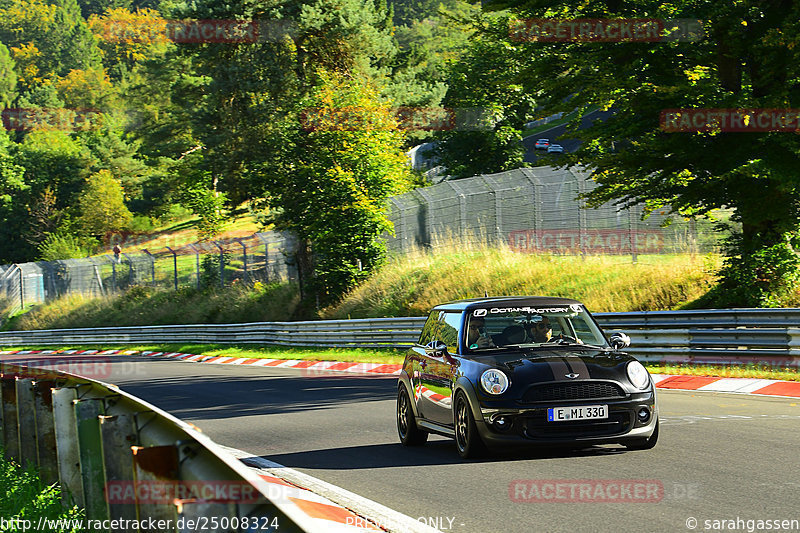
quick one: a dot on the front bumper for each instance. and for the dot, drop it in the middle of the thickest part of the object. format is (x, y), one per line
(529, 425)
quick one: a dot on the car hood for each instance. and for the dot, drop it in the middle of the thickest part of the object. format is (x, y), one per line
(537, 365)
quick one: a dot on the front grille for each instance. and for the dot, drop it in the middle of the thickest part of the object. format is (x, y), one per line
(539, 428)
(567, 391)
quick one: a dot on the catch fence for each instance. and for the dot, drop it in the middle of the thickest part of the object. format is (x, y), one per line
(264, 257)
(532, 210)
(537, 210)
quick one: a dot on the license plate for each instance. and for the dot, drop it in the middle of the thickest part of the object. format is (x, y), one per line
(582, 412)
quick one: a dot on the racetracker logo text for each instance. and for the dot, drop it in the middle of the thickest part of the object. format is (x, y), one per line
(731, 120)
(586, 491)
(606, 30)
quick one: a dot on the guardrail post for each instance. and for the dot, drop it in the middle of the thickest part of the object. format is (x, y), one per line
(45, 431)
(155, 465)
(10, 427)
(118, 434)
(69, 463)
(794, 337)
(26, 423)
(193, 511)
(87, 413)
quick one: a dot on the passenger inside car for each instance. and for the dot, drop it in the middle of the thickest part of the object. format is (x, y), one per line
(477, 336)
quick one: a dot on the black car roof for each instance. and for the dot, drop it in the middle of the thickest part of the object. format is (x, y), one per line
(500, 301)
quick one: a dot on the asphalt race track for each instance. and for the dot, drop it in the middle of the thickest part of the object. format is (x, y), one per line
(720, 456)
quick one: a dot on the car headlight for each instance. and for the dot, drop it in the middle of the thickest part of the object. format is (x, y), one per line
(494, 381)
(638, 375)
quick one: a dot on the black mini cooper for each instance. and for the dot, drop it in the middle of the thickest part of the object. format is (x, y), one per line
(494, 372)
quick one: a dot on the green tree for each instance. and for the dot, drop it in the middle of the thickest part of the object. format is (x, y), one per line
(12, 211)
(101, 206)
(48, 39)
(748, 58)
(99, 7)
(491, 79)
(8, 78)
(345, 167)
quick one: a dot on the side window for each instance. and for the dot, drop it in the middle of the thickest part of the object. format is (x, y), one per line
(441, 326)
(429, 329)
(450, 323)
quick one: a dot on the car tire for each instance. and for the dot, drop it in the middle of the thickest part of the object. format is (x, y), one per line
(407, 430)
(644, 444)
(468, 441)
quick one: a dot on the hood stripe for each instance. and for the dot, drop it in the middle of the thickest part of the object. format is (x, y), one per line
(558, 366)
(578, 366)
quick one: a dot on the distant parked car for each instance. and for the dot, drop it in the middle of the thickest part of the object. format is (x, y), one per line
(555, 149)
(542, 144)
(494, 372)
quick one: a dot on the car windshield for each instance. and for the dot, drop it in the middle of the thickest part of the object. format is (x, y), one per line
(533, 326)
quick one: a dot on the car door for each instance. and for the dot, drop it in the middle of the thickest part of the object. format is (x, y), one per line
(437, 369)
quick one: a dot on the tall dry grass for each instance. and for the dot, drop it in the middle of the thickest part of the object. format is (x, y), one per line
(141, 306)
(411, 284)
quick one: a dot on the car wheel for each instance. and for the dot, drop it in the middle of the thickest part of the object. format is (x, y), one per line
(468, 442)
(644, 444)
(410, 434)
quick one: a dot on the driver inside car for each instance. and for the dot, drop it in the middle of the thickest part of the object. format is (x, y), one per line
(540, 331)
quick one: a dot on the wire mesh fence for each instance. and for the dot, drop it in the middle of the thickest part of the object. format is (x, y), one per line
(537, 210)
(532, 210)
(264, 257)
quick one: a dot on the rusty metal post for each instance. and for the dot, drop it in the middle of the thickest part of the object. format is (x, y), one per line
(45, 431)
(153, 466)
(69, 464)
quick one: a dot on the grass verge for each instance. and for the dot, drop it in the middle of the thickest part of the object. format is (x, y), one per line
(392, 356)
(360, 355)
(26, 498)
(726, 371)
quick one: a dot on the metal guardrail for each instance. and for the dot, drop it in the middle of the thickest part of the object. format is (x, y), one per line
(121, 458)
(720, 336)
(366, 333)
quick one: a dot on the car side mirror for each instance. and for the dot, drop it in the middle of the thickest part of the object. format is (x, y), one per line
(619, 340)
(436, 349)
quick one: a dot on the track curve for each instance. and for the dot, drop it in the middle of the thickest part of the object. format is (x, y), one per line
(720, 456)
